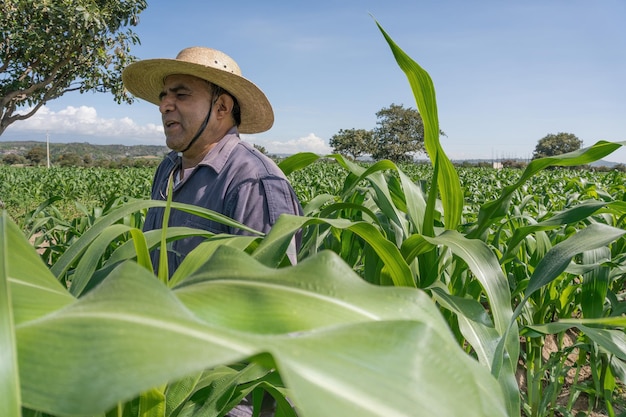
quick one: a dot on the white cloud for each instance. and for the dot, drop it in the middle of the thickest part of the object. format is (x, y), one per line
(309, 143)
(83, 123)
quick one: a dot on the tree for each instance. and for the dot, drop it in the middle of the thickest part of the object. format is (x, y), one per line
(13, 159)
(36, 155)
(353, 142)
(70, 159)
(558, 144)
(87, 160)
(50, 48)
(400, 133)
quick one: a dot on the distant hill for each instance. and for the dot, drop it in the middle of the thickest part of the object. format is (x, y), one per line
(599, 163)
(603, 163)
(119, 152)
(109, 152)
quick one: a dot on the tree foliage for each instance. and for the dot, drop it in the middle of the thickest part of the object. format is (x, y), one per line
(399, 133)
(50, 48)
(398, 136)
(353, 142)
(70, 159)
(552, 145)
(36, 155)
(13, 159)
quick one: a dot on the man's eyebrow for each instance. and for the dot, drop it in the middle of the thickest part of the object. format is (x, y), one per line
(174, 89)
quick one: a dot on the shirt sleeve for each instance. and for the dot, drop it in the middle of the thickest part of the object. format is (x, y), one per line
(258, 203)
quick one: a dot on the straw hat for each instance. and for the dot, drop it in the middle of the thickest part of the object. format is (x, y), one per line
(144, 79)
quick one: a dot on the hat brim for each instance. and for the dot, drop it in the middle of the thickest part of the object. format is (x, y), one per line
(144, 79)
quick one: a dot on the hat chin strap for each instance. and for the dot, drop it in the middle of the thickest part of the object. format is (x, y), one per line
(202, 127)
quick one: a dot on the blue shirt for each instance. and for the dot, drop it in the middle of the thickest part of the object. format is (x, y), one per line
(234, 179)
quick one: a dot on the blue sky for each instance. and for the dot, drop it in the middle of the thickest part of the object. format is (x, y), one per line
(506, 73)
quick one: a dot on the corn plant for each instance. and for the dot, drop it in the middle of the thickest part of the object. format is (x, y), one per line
(24, 189)
(407, 300)
(501, 267)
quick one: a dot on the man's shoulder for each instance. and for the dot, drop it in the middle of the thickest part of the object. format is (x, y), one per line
(246, 157)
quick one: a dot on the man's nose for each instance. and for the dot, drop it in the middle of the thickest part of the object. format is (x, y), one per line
(166, 105)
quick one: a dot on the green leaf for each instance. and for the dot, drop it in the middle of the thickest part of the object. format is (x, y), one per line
(88, 263)
(297, 161)
(222, 388)
(34, 291)
(556, 260)
(201, 255)
(494, 210)
(613, 341)
(595, 283)
(76, 250)
(152, 403)
(372, 174)
(475, 323)
(486, 268)
(130, 331)
(271, 250)
(356, 348)
(447, 180)
(500, 348)
(178, 392)
(10, 401)
(381, 349)
(571, 215)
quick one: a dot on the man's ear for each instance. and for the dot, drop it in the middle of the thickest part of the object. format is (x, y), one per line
(224, 104)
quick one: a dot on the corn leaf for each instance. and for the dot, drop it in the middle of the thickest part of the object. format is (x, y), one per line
(558, 258)
(297, 161)
(271, 249)
(494, 210)
(357, 349)
(10, 402)
(76, 250)
(446, 179)
(595, 282)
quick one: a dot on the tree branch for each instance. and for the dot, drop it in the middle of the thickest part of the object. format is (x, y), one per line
(35, 86)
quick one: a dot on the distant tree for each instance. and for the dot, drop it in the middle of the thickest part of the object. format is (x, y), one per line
(13, 159)
(36, 155)
(558, 144)
(102, 163)
(87, 160)
(261, 149)
(126, 163)
(353, 142)
(70, 159)
(399, 134)
(512, 163)
(48, 48)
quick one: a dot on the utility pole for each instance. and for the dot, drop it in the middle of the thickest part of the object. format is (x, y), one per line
(48, 149)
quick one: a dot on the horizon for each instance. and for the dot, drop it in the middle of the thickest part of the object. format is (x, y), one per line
(506, 75)
(421, 157)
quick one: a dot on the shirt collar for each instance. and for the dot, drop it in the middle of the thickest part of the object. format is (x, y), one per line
(216, 158)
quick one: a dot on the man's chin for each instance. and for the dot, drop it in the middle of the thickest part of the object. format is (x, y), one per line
(175, 145)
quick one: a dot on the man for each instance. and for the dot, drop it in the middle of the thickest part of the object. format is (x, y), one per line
(205, 103)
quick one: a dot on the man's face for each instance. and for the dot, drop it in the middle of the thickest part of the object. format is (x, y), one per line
(185, 101)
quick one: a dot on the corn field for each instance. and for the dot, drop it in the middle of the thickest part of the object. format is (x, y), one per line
(419, 290)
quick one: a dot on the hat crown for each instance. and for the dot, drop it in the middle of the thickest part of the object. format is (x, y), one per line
(209, 57)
